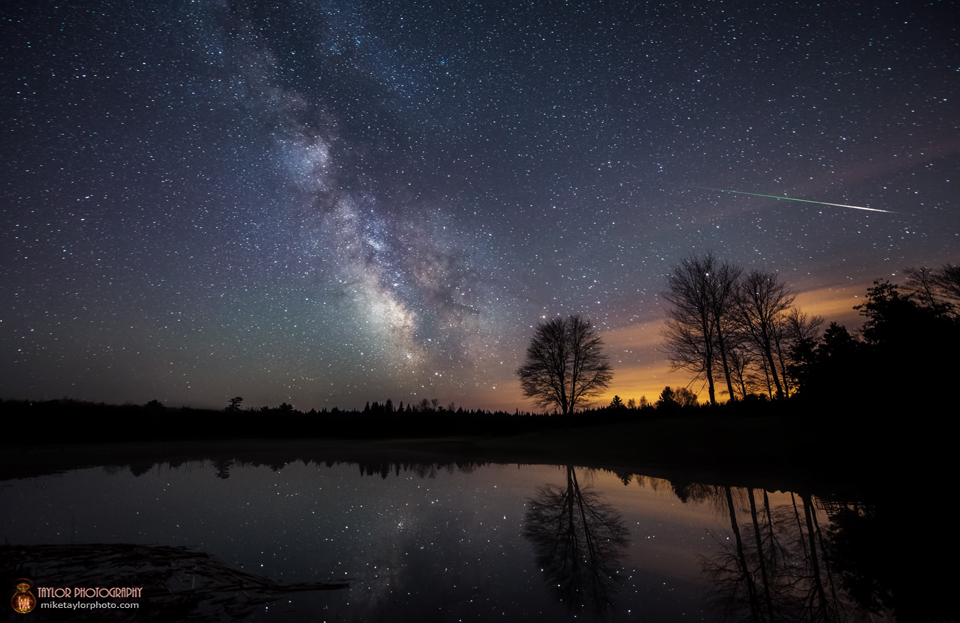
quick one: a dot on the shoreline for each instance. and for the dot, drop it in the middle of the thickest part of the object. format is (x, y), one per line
(778, 452)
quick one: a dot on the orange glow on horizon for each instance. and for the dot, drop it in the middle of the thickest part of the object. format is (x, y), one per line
(835, 304)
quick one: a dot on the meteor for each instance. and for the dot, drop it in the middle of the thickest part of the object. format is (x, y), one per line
(823, 203)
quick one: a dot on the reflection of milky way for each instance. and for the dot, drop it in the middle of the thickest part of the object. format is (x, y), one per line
(334, 202)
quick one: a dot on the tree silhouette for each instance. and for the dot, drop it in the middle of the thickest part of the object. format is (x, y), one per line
(798, 338)
(723, 294)
(722, 321)
(828, 370)
(565, 365)
(762, 300)
(667, 399)
(685, 397)
(700, 333)
(936, 286)
(690, 331)
(908, 343)
(671, 399)
(908, 339)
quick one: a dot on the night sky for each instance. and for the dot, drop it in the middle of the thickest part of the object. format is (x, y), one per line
(326, 203)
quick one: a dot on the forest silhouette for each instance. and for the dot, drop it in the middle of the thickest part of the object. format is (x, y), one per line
(741, 330)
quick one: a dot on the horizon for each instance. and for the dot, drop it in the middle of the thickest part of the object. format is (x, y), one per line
(630, 338)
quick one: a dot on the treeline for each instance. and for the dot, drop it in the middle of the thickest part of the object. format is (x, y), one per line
(904, 355)
(741, 335)
(66, 420)
(683, 402)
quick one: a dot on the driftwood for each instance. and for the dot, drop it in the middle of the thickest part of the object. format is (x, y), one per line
(178, 583)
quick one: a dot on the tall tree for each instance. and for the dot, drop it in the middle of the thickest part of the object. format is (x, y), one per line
(690, 331)
(762, 300)
(700, 330)
(722, 301)
(565, 365)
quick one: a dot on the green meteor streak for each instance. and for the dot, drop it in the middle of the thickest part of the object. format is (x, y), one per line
(823, 203)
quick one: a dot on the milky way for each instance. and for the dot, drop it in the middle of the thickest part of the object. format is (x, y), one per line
(327, 203)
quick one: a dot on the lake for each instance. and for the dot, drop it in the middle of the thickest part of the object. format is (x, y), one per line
(396, 540)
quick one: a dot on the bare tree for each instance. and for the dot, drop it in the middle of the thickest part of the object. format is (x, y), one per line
(722, 320)
(793, 330)
(948, 281)
(688, 350)
(700, 328)
(741, 361)
(722, 300)
(936, 286)
(801, 326)
(922, 282)
(565, 365)
(762, 300)
(690, 330)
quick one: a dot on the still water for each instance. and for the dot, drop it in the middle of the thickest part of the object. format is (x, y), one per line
(230, 540)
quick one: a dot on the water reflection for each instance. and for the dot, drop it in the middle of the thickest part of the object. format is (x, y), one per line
(223, 468)
(889, 560)
(469, 540)
(777, 566)
(579, 542)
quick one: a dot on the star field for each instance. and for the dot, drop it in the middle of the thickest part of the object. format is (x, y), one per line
(326, 203)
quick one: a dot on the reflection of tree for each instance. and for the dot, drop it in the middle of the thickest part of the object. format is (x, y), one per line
(579, 543)
(775, 568)
(887, 559)
(223, 468)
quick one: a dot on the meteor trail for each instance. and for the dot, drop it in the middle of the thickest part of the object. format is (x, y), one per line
(823, 203)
